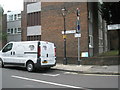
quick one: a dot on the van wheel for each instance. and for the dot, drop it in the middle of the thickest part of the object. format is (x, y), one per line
(30, 67)
(1, 64)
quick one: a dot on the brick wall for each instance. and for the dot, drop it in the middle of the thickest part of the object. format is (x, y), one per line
(4, 30)
(52, 26)
(24, 23)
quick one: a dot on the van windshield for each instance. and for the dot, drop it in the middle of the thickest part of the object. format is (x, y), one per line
(8, 47)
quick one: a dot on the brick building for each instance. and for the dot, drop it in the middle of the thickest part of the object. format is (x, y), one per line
(93, 29)
(31, 20)
(3, 26)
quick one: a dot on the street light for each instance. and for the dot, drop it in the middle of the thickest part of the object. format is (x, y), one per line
(64, 12)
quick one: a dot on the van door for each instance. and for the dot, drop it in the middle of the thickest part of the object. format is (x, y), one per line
(51, 53)
(50, 50)
(47, 53)
(19, 57)
(7, 53)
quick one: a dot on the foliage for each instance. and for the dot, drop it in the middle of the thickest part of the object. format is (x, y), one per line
(3, 36)
(111, 12)
(110, 53)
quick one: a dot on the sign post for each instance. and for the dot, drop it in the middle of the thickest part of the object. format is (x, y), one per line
(78, 32)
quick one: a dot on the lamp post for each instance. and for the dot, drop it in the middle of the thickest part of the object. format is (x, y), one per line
(64, 12)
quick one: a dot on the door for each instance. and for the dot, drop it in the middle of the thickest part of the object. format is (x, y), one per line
(7, 53)
(51, 53)
(18, 57)
(47, 53)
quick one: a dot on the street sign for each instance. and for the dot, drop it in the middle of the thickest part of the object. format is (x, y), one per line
(77, 35)
(69, 32)
(84, 54)
(114, 27)
(64, 36)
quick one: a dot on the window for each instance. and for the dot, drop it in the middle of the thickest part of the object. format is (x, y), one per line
(34, 19)
(15, 17)
(19, 16)
(100, 42)
(90, 41)
(15, 30)
(100, 37)
(33, 38)
(12, 31)
(10, 17)
(19, 30)
(8, 31)
(90, 16)
(7, 48)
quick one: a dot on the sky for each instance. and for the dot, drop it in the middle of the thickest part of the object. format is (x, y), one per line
(11, 5)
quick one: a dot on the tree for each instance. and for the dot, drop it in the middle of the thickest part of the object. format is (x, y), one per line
(111, 13)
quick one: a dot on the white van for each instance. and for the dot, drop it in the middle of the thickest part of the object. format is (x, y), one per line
(30, 54)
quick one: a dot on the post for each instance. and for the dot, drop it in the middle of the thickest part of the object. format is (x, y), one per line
(65, 59)
(64, 11)
(78, 50)
(78, 31)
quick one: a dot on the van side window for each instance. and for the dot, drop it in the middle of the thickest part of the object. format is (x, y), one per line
(7, 48)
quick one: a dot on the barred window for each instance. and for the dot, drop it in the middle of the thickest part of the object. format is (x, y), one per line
(33, 38)
(34, 19)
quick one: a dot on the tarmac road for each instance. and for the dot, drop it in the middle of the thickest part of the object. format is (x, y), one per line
(15, 77)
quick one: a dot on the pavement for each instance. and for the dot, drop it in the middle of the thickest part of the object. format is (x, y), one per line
(89, 69)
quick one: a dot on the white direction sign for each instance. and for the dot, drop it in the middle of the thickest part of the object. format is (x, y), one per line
(114, 27)
(77, 35)
(69, 32)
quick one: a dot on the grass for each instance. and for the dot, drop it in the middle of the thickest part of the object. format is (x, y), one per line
(109, 53)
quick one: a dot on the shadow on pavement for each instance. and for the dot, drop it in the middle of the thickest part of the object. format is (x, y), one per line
(42, 70)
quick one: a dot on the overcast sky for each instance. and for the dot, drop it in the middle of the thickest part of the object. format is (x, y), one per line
(11, 5)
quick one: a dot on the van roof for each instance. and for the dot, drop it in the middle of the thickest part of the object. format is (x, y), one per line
(26, 41)
(22, 41)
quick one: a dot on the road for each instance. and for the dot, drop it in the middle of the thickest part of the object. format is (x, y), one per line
(14, 77)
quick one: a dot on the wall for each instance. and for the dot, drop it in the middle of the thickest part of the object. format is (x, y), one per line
(113, 39)
(31, 20)
(13, 26)
(52, 26)
(4, 30)
(1, 16)
(3, 27)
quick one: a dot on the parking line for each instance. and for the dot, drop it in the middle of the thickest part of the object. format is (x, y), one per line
(41, 81)
(53, 75)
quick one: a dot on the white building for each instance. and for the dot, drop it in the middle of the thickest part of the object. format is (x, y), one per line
(13, 26)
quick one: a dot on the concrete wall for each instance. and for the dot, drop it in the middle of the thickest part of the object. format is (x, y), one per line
(14, 37)
(13, 25)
